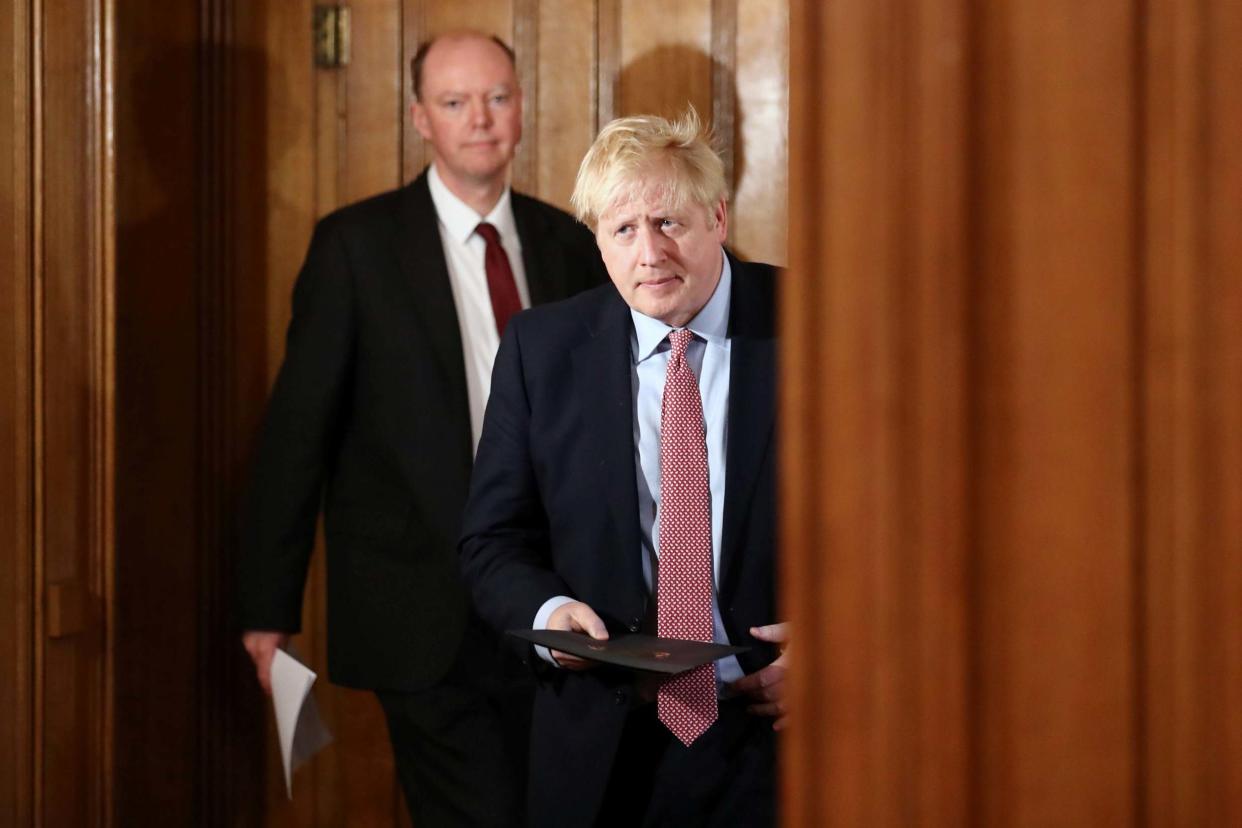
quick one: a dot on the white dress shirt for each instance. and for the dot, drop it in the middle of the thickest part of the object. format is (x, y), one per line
(463, 253)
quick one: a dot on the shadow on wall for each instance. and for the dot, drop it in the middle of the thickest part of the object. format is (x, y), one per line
(663, 80)
(191, 287)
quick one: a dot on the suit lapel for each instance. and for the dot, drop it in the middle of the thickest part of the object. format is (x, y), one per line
(752, 389)
(602, 375)
(425, 286)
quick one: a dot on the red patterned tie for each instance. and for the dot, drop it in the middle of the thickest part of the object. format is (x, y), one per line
(500, 284)
(687, 702)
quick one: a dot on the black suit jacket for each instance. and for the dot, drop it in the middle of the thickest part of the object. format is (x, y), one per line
(553, 511)
(369, 421)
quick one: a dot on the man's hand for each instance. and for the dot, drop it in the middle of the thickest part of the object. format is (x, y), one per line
(262, 646)
(767, 686)
(576, 617)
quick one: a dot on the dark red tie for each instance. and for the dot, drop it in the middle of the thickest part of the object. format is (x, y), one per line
(687, 702)
(500, 284)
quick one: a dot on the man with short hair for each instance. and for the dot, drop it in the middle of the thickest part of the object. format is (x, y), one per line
(374, 418)
(625, 482)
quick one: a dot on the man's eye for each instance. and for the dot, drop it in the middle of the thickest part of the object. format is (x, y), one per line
(624, 230)
(452, 104)
(500, 99)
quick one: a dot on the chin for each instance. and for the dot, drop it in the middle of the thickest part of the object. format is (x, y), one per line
(486, 172)
(660, 312)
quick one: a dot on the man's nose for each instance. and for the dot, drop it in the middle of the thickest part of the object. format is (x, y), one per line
(480, 114)
(651, 246)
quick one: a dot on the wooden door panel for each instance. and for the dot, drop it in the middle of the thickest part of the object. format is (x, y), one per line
(71, 417)
(760, 146)
(563, 101)
(1011, 411)
(371, 112)
(17, 484)
(1192, 408)
(57, 346)
(1056, 416)
(665, 57)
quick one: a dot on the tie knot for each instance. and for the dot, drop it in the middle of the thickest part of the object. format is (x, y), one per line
(489, 233)
(680, 340)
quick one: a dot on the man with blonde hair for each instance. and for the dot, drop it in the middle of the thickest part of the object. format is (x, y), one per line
(625, 482)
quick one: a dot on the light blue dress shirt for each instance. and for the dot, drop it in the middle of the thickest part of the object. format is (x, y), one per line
(708, 356)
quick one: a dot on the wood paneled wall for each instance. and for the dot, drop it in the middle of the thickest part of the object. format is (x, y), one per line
(1013, 415)
(186, 742)
(56, 425)
(1190, 415)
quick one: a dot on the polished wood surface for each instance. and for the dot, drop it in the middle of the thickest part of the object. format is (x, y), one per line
(1012, 414)
(18, 258)
(873, 488)
(157, 338)
(1191, 417)
(58, 424)
(561, 101)
(758, 146)
(1055, 451)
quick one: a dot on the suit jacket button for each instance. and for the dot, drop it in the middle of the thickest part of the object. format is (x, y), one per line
(634, 622)
(620, 696)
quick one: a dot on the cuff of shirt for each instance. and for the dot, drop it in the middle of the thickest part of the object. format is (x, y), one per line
(541, 623)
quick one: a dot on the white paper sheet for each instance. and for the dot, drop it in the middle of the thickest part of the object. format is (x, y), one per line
(301, 732)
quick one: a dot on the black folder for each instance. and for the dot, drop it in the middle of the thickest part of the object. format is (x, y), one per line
(636, 652)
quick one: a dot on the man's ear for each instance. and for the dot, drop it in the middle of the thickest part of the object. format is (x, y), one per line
(517, 92)
(721, 214)
(418, 116)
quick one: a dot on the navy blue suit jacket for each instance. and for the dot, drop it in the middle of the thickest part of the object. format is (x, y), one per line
(553, 510)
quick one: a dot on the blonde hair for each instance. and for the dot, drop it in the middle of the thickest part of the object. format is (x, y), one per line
(669, 159)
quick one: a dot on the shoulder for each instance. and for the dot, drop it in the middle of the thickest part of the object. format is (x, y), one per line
(362, 219)
(570, 320)
(378, 213)
(754, 279)
(753, 309)
(531, 206)
(554, 220)
(760, 273)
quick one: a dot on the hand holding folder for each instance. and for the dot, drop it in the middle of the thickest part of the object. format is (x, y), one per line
(647, 653)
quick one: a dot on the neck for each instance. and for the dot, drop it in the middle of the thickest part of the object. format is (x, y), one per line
(480, 195)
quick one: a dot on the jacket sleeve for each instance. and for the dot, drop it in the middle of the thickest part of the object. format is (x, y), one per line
(298, 438)
(504, 550)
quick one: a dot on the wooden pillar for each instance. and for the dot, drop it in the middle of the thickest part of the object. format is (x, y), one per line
(874, 482)
(56, 415)
(1012, 414)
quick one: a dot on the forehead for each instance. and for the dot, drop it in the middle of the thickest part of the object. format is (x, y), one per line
(461, 63)
(647, 197)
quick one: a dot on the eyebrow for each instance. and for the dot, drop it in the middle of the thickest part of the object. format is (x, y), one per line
(500, 87)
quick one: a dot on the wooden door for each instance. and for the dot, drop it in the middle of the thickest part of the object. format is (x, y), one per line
(314, 139)
(56, 430)
(1013, 414)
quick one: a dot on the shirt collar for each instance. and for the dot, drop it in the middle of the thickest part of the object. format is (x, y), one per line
(711, 323)
(460, 219)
